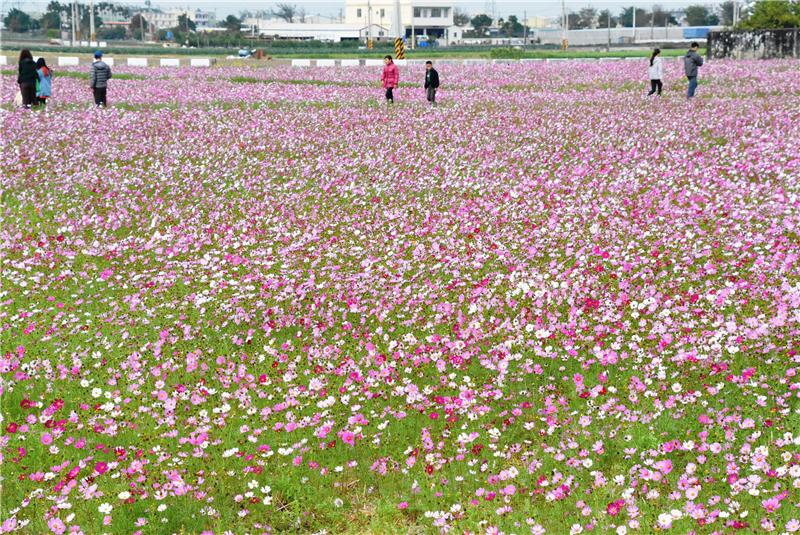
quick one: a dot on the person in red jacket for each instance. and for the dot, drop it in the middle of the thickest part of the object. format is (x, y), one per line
(390, 78)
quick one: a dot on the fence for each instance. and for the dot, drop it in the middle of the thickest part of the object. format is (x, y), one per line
(755, 44)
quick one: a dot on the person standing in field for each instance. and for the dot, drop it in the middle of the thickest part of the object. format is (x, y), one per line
(691, 61)
(390, 77)
(44, 84)
(27, 77)
(654, 72)
(98, 79)
(431, 82)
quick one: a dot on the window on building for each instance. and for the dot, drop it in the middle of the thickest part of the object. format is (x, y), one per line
(358, 12)
(417, 12)
(383, 12)
(436, 12)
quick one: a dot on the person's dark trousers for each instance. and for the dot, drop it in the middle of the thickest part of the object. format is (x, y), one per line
(692, 86)
(100, 96)
(28, 94)
(655, 87)
(389, 95)
(431, 95)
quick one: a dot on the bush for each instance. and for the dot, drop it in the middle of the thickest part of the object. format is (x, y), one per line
(506, 53)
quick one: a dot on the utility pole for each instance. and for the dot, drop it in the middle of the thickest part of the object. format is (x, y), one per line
(564, 25)
(92, 36)
(633, 8)
(735, 13)
(608, 19)
(399, 32)
(369, 26)
(525, 28)
(141, 25)
(72, 20)
(652, 22)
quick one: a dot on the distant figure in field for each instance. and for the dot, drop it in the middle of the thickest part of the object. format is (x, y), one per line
(390, 77)
(26, 78)
(655, 72)
(431, 82)
(98, 79)
(44, 84)
(691, 61)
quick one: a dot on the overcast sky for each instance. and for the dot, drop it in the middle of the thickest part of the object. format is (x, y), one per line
(547, 8)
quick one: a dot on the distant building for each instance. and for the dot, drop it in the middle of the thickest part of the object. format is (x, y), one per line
(539, 22)
(427, 17)
(299, 31)
(164, 20)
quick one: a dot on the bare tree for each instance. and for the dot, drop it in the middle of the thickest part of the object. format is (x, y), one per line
(460, 17)
(286, 12)
(587, 17)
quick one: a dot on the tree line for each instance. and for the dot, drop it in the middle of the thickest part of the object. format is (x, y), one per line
(762, 14)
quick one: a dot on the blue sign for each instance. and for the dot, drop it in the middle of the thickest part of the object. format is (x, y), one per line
(695, 33)
(170, 36)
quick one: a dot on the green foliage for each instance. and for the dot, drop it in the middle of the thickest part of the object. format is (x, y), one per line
(18, 21)
(481, 23)
(698, 15)
(642, 17)
(111, 33)
(512, 27)
(185, 23)
(773, 14)
(506, 53)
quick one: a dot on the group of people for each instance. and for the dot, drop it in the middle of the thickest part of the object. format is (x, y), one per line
(390, 78)
(35, 80)
(691, 62)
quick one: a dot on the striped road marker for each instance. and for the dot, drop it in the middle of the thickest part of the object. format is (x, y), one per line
(399, 48)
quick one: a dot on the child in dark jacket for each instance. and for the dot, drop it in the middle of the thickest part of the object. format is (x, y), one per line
(431, 82)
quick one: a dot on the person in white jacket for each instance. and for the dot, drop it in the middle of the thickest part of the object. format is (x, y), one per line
(654, 72)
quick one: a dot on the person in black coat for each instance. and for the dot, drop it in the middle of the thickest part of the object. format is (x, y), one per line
(431, 82)
(26, 77)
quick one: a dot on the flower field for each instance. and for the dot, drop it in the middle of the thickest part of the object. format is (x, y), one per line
(257, 300)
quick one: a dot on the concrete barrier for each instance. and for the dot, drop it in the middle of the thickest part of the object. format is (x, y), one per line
(400, 62)
(200, 62)
(102, 44)
(350, 63)
(557, 59)
(530, 60)
(503, 61)
(169, 62)
(301, 63)
(109, 61)
(68, 61)
(3, 60)
(373, 62)
(93, 44)
(137, 62)
(476, 61)
(610, 59)
(84, 43)
(326, 63)
(635, 59)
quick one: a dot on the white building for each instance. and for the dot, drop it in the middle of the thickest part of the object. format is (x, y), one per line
(330, 32)
(426, 17)
(164, 20)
